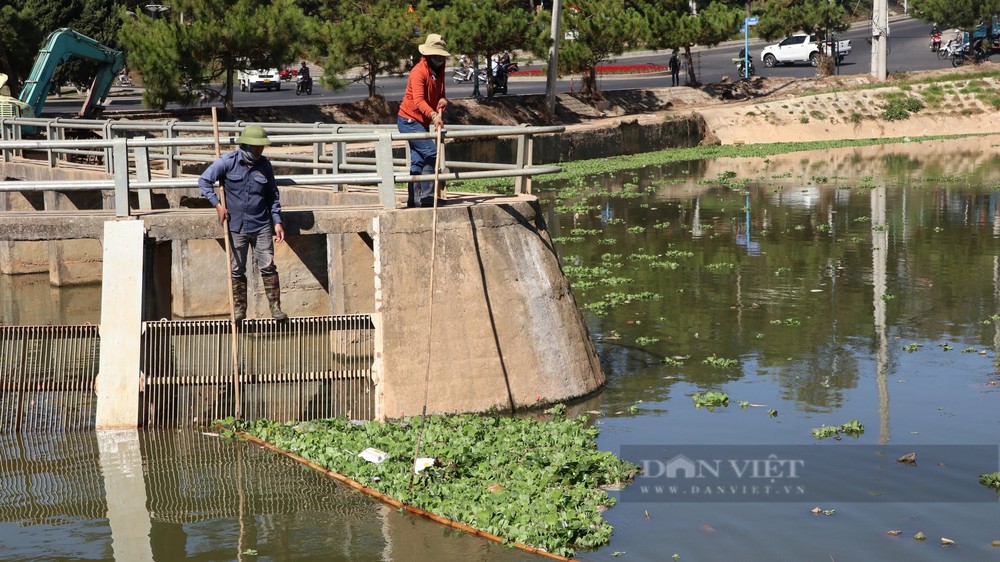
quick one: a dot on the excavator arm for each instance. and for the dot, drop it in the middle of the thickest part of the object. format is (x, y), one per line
(60, 46)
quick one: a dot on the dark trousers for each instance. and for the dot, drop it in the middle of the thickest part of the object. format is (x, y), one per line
(423, 154)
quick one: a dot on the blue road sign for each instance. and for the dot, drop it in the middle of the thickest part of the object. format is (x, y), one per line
(752, 21)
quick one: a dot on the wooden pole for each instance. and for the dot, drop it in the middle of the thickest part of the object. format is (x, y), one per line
(430, 308)
(229, 275)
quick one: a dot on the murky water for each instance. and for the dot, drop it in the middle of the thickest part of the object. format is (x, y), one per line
(851, 284)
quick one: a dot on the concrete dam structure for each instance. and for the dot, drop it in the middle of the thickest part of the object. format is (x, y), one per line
(500, 332)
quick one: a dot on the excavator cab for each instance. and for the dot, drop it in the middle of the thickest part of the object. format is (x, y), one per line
(10, 106)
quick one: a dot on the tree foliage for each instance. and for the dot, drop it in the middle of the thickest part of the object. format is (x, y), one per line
(18, 45)
(779, 18)
(376, 36)
(599, 30)
(208, 41)
(672, 24)
(97, 19)
(481, 28)
(963, 14)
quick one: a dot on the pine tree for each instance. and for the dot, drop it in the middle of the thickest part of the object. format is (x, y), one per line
(482, 28)
(19, 44)
(375, 36)
(779, 18)
(963, 14)
(599, 30)
(203, 41)
(676, 24)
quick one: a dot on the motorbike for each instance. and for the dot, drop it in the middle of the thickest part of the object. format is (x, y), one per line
(463, 74)
(977, 52)
(288, 73)
(935, 41)
(741, 69)
(501, 73)
(949, 49)
(303, 85)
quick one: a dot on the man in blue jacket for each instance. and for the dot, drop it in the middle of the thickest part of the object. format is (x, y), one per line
(254, 213)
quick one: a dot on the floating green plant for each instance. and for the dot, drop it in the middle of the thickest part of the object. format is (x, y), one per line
(991, 480)
(852, 428)
(539, 483)
(710, 400)
(720, 362)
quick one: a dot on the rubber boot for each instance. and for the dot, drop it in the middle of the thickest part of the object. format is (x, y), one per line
(240, 298)
(272, 287)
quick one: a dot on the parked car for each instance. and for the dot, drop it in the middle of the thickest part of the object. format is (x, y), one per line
(803, 47)
(259, 79)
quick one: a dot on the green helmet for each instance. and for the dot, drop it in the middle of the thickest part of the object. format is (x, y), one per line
(253, 135)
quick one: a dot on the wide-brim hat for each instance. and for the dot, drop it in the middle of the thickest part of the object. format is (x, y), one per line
(253, 135)
(434, 45)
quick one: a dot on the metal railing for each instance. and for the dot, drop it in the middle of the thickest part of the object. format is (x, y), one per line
(133, 152)
(305, 368)
(47, 377)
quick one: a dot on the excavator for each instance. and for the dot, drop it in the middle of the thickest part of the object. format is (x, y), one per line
(60, 46)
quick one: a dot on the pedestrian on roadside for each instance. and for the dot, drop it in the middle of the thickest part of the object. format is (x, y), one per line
(254, 212)
(675, 69)
(423, 106)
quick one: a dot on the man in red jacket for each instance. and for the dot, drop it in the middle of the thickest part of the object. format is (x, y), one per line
(423, 106)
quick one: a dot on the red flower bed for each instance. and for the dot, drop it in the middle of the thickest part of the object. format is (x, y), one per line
(604, 69)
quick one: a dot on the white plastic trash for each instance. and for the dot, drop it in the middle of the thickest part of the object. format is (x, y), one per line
(373, 455)
(422, 463)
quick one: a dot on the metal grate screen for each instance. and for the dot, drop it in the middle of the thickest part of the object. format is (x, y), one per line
(47, 376)
(305, 368)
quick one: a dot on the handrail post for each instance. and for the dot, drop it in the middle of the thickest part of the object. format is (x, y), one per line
(5, 136)
(143, 174)
(120, 151)
(109, 164)
(525, 146)
(319, 150)
(50, 134)
(386, 172)
(171, 150)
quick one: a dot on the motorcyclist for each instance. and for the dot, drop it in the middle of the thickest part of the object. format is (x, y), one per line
(304, 79)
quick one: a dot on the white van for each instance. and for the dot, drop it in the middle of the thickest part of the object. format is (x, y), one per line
(260, 78)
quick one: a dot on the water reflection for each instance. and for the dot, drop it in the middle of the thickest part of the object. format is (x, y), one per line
(181, 495)
(849, 284)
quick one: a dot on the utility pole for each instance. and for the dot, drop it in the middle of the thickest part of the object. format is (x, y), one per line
(553, 74)
(880, 38)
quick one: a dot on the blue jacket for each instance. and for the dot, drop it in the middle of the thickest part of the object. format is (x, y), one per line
(251, 192)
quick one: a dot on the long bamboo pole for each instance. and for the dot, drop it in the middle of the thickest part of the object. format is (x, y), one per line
(229, 274)
(430, 304)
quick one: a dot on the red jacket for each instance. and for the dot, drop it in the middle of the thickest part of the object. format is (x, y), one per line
(424, 90)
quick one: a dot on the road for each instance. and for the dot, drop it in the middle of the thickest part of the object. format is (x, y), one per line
(908, 50)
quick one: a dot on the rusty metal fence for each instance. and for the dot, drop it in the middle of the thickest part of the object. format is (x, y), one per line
(305, 368)
(47, 377)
